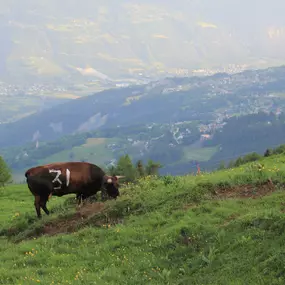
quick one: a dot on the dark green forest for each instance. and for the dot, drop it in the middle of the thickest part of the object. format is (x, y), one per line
(249, 133)
(240, 136)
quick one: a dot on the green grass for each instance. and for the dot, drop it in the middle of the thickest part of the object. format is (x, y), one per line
(95, 153)
(172, 230)
(200, 154)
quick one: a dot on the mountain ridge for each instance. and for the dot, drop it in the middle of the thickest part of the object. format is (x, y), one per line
(48, 40)
(167, 101)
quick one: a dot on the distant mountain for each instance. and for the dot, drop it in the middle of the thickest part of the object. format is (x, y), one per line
(208, 100)
(71, 40)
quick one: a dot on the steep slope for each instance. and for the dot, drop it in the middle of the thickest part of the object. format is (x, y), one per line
(217, 228)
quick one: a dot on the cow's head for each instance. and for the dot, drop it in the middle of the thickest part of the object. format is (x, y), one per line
(111, 184)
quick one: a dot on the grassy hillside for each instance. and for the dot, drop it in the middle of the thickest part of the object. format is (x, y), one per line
(217, 228)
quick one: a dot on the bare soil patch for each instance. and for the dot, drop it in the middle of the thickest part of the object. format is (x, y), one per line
(246, 191)
(83, 215)
(94, 141)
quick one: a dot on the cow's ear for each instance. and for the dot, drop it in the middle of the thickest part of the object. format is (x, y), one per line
(108, 179)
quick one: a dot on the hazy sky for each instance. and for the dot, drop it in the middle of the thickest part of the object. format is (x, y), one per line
(227, 12)
(243, 28)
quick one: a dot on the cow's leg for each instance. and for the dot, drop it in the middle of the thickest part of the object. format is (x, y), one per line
(84, 198)
(79, 198)
(104, 195)
(43, 204)
(38, 206)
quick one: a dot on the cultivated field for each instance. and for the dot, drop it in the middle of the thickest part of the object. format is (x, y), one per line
(219, 228)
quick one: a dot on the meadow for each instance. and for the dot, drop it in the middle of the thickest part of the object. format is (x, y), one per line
(225, 227)
(94, 150)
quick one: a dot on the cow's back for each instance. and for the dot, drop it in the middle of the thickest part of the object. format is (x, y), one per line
(74, 176)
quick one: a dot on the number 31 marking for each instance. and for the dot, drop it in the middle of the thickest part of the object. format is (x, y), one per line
(58, 173)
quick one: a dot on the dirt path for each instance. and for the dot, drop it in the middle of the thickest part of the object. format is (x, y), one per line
(80, 218)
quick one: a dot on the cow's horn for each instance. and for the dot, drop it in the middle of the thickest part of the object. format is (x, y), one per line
(119, 176)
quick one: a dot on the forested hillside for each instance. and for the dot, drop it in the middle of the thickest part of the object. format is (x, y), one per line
(178, 147)
(178, 121)
(206, 99)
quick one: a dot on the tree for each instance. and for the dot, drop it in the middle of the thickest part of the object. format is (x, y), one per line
(222, 165)
(131, 172)
(238, 162)
(268, 152)
(5, 173)
(112, 170)
(152, 167)
(140, 168)
(126, 168)
(251, 157)
(231, 164)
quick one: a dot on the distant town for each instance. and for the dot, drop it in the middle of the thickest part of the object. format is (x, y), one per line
(30, 89)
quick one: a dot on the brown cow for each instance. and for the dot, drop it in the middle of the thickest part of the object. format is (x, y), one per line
(81, 178)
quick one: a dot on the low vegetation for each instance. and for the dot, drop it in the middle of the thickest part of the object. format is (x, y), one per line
(224, 227)
(252, 157)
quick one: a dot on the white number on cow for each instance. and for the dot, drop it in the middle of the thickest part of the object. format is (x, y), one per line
(58, 173)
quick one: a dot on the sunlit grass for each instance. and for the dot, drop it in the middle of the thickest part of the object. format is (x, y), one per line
(172, 230)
